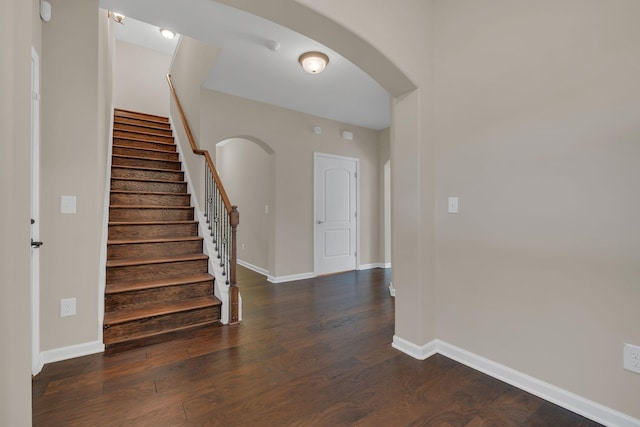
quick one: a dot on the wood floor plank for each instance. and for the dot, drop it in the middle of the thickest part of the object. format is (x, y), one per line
(316, 352)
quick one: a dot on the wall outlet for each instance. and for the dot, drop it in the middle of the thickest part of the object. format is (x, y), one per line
(631, 358)
(67, 307)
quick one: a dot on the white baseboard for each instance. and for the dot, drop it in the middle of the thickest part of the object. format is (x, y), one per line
(252, 267)
(37, 365)
(417, 352)
(392, 290)
(563, 398)
(370, 266)
(387, 265)
(291, 278)
(77, 350)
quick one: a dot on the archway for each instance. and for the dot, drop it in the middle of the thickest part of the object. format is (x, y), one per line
(246, 166)
(413, 182)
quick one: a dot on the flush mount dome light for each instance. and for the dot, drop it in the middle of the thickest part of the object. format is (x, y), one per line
(167, 34)
(313, 62)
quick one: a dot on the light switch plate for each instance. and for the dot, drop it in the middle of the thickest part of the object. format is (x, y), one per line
(68, 204)
(453, 205)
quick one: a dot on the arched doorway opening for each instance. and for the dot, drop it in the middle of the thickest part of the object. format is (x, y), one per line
(245, 165)
(412, 183)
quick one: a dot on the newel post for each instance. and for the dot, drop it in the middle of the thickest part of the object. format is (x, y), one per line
(234, 220)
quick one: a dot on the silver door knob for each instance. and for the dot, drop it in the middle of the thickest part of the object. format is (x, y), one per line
(320, 222)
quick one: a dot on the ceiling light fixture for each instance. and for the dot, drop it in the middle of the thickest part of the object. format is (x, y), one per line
(117, 17)
(167, 34)
(313, 62)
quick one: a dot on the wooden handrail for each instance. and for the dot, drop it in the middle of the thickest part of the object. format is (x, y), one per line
(196, 150)
(226, 240)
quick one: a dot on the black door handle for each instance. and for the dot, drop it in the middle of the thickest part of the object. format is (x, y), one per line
(36, 244)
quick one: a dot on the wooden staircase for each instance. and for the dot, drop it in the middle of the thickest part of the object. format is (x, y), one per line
(157, 274)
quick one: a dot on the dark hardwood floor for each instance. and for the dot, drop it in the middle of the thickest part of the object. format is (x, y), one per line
(309, 353)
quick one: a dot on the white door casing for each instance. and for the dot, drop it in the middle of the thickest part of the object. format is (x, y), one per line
(34, 276)
(335, 207)
(387, 214)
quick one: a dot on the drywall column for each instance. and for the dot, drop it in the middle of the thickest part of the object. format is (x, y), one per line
(16, 17)
(412, 189)
(384, 155)
(70, 156)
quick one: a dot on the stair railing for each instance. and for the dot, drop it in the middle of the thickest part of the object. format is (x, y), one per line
(222, 217)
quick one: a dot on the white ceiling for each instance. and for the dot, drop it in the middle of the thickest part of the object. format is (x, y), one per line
(246, 67)
(143, 34)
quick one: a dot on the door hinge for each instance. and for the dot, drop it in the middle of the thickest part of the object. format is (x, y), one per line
(35, 96)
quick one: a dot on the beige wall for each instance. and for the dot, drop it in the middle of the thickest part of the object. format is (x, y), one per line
(140, 79)
(534, 108)
(19, 31)
(244, 168)
(191, 63)
(537, 134)
(106, 65)
(36, 26)
(535, 117)
(70, 166)
(289, 135)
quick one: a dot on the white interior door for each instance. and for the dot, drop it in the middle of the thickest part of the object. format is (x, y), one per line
(34, 278)
(336, 220)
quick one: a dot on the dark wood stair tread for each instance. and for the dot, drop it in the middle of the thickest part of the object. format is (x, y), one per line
(150, 206)
(161, 181)
(128, 138)
(139, 132)
(159, 240)
(145, 168)
(149, 338)
(153, 150)
(150, 284)
(149, 125)
(131, 314)
(156, 193)
(152, 222)
(146, 261)
(146, 158)
(119, 112)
